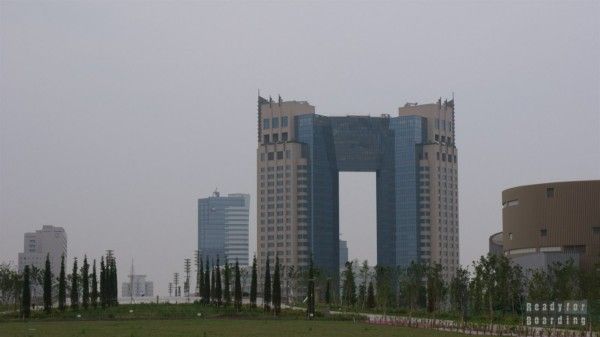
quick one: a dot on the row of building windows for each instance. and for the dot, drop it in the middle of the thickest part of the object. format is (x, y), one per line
(274, 122)
(272, 168)
(274, 138)
(443, 139)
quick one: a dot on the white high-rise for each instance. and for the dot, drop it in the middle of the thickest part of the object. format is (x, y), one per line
(49, 240)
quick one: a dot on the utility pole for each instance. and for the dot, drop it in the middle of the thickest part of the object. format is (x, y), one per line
(176, 282)
(187, 267)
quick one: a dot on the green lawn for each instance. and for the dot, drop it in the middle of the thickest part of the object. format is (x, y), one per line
(208, 328)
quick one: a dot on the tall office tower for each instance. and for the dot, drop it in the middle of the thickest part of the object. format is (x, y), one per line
(300, 154)
(50, 240)
(343, 253)
(223, 224)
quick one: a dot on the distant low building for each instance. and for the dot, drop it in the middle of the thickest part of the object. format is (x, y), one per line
(138, 286)
(50, 240)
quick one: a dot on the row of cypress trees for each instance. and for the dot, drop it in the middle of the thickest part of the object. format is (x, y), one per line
(89, 292)
(213, 290)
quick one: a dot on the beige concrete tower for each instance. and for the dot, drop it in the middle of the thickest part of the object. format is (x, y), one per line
(438, 173)
(281, 185)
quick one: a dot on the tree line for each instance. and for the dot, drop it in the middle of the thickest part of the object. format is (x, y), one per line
(86, 288)
(494, 286)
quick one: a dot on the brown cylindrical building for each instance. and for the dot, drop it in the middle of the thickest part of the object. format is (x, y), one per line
(554, 219)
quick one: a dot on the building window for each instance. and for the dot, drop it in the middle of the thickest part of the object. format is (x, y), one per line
(266, 123)
(543, 232)
(266, 139)
(510, 236)
(284, 121)
(275, 137)
(550, 192)
(287, 154)
(437, 138)
(279, 154)
(271, 156)
(596, 230)
(284, 136)
(275, 123)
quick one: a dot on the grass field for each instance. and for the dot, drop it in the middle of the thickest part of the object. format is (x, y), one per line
(208, 328)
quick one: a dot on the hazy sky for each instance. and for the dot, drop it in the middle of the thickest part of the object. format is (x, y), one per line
(115, 117)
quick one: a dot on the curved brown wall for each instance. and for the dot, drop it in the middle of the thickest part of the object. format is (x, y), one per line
(571, 218)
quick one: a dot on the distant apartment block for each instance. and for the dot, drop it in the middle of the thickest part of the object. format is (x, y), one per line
(223, 227)
(36, 245)
(138, 286)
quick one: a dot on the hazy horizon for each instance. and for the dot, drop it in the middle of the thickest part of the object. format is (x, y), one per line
(115, 117)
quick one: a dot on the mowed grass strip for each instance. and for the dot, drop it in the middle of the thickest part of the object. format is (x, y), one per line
(209, 328)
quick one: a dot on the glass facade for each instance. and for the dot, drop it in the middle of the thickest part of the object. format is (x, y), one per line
(223, 224)
(387, 146)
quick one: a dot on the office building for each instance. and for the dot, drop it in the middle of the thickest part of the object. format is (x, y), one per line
(50, 240)
(552, 222)
(343, 253)
(300, 154)
(223, 227)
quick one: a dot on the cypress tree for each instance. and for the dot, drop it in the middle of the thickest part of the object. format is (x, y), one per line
(310, 308)
(26, 294)
(74, 287)
(85, 280)
(62, 286)
(226, 282)
(253, 284)
(267, 288)
(48, 286)
(102, 283)
(213, 286)
(237, 292)
(94, 291)
(219, 289)
(200, 278)
(206, 295)
(371, 296)
(277, 288)
(114, 284)
(328, 292)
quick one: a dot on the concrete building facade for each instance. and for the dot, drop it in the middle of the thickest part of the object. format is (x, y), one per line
(300, 155)
(552, 222)
(36, 245)
(223, 227)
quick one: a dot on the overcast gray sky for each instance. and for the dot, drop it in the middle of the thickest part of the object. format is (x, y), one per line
(116, 116)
